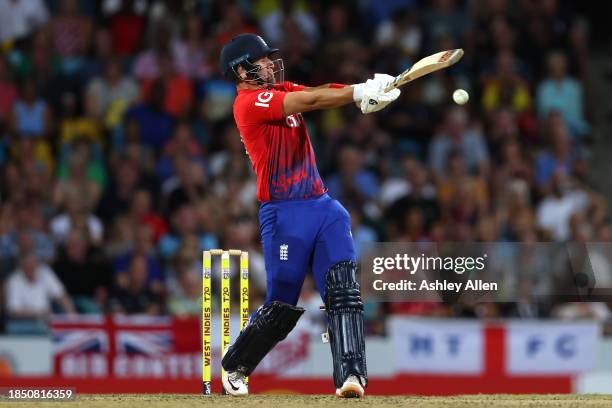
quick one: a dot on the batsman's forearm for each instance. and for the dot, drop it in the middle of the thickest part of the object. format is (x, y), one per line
(328, 98)
(324, 98)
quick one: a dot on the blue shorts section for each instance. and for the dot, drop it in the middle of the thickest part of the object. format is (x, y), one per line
(299, 235)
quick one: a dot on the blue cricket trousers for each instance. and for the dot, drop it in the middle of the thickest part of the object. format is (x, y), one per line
(298, 235)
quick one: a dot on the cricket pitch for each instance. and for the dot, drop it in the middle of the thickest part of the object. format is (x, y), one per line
(302, 401)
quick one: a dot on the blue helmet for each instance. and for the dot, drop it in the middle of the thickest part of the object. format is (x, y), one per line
(244, 49)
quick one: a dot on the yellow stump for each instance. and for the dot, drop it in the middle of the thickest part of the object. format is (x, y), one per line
(225, 304)
(244, 290)
(206, 323)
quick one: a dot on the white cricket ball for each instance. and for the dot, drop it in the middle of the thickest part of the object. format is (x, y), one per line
(461, 97)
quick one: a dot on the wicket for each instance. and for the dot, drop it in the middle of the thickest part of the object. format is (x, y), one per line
(225, 305)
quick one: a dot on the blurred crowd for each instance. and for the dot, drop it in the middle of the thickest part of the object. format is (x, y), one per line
(120, 161)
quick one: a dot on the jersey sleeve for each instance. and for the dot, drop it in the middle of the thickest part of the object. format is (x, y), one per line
(263, 106)
(289, 86)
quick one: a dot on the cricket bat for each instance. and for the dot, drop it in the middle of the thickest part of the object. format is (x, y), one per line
(427, 65)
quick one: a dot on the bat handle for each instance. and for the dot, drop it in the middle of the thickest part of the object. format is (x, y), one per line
(391, 86)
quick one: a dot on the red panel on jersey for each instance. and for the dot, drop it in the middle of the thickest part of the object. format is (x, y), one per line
(279, 147)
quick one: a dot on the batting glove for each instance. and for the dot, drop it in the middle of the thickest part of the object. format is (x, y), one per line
(377, 100)
(370, 95)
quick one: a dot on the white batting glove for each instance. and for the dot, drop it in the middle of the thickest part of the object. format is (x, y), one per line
(376, 100)
(370, 95)
(379, 82)
(382, 80)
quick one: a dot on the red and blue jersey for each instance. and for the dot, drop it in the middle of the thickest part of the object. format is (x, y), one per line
(279, 146)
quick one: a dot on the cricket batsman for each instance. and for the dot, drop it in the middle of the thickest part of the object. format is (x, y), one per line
(301, 226)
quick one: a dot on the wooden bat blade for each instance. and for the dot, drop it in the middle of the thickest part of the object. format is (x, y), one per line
(427, 65)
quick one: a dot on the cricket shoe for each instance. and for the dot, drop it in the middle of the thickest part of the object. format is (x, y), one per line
(351, 388)
(234, 383)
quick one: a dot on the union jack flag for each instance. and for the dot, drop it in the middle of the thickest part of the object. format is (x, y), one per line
(145, 335)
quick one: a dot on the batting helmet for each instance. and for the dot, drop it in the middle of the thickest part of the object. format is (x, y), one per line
(243, 49)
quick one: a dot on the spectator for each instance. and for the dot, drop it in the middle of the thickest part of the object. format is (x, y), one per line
(92, 155)
(155, 124)
(513, 164)
(170, 14)
(275, 26)
(420, 193)
(19, 18)
(458, 184)
(187, 187)
(74, 126)
(352, 184)
(121, 238)
(147, 65)
(132, 294)
(191, 51)
(233, 22)
(79, 178)
(118, 195)
(141, 212)
(557, 207)
(506, 86)
(231, 174)
(31, 289)
(77, 215)
(112, 94)
(38, 63)
(562, 93)
(71, 33)
(503, 127)
(127, 147)
(127, 25)
(102, 53)
(84, 271)
(186, 299)
(31, 116)
(178, 89)
(444, 19)
(24, 235)
(183, 143)
(402, 32)
(144, 248)
(558, 159)
(184, 224)
(455, 135)
(413, 182)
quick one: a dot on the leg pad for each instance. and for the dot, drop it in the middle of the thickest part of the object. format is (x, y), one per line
(345, 322)
(271, 324)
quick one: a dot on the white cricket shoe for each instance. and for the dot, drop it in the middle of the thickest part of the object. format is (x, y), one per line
(234, 383)
(351, 388)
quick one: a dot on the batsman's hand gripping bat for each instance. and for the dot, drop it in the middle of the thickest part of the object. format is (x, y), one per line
(427, 65)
